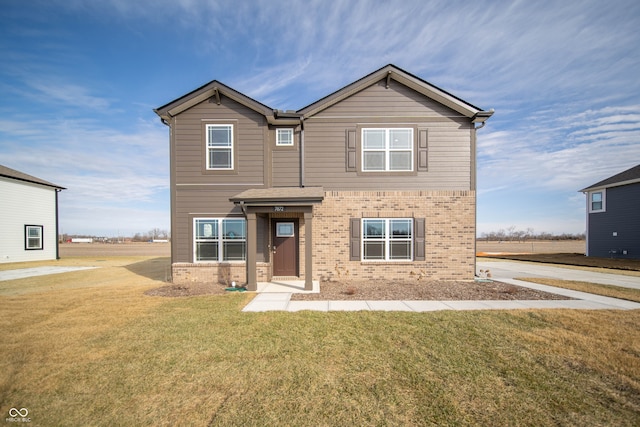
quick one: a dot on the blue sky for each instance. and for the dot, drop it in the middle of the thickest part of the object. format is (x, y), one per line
(79, 80)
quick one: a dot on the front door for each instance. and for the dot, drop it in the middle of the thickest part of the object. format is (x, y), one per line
(285, 247)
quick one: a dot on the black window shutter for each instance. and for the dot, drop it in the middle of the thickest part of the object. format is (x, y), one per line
(423, 149)
(354, 239)
(418, 242)
(351, 150)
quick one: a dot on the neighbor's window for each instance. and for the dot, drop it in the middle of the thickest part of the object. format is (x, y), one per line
(386, 239)
(33, 237)
(597, 201)
(219, 239)
(387, 149)
(284, 137)
(219, 147)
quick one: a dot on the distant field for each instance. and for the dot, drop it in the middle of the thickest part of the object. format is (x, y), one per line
(113, 249)
(535, 246)
(164, 249)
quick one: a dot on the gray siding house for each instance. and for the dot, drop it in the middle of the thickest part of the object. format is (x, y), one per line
(376, 180)
(613, 216)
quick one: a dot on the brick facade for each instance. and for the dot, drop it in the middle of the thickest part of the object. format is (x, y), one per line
(449, 239)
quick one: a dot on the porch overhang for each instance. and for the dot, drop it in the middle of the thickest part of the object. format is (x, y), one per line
(279, 196)
(278, 200)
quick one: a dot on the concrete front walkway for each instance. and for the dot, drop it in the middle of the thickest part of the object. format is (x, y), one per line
(281, 301)
(21, 273)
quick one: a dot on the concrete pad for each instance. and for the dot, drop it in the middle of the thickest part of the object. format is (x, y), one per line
(308, 305)
(281, 296)
(388, 306)
(38, 271)
(348, 306)
(421, 306)
(288, 286)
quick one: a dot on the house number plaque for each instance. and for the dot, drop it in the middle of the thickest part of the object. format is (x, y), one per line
(278, 208)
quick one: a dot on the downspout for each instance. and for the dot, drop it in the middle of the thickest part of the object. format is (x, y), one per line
(302, 152)
(57, 227)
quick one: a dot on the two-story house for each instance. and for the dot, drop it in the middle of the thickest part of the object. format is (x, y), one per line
(613, 216)
(376, 180)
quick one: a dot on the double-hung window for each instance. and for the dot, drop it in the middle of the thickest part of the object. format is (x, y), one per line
(284, 137)
(597, 201)
(33, 237)
(387, 239)
(387, 149)
(219, 239)
(219, 146)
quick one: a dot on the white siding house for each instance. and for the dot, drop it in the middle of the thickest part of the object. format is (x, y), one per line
(28, 217)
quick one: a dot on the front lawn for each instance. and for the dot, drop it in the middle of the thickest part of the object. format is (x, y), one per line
(100, 352)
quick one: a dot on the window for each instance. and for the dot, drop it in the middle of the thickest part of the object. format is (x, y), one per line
(33, 237)
(285, 229)
(217, 239)
(284, 137)
(597, 201)
(387, 149)
(219, 147)
(387, 239)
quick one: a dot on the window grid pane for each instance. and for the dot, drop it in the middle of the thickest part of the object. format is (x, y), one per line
(387, 149)
(220, 147)
(218, 239)
(284, 137)
(387, 239)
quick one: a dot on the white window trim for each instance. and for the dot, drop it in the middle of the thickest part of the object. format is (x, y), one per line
(387, 240)
(387, 150)
(220, 240)
(604, 201)
(231, 146)
(284, 144)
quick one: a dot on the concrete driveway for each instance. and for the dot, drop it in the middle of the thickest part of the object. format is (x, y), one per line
(511, 269)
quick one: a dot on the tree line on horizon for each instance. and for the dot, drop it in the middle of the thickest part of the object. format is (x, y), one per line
(512, 234)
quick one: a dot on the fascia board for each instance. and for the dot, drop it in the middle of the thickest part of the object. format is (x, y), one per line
(615, 184)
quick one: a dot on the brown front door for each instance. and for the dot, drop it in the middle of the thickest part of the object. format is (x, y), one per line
(285, 247)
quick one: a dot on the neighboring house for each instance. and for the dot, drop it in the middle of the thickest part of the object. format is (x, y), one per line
(613, 216)
(376, 180)
(29, 213)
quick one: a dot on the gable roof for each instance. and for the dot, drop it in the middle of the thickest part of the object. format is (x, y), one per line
(407, 79)
(20, 176)
(630, 176)
(212, 89)
(217, 89)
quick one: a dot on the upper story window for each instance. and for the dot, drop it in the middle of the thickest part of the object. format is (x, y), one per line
(597, 201)
(387, 149)
(219, 146)
(33, 237)
(284, 137)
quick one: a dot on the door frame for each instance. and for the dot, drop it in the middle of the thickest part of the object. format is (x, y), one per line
(296, 237)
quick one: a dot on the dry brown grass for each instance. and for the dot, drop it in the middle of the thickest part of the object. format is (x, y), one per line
(592, 288)
(89, 348)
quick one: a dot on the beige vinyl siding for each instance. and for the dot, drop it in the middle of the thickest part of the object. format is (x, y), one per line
(204, 193)
(249, 148)
(449, 141)
(286, 168)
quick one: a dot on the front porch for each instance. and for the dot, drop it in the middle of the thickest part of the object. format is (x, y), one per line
(291, 286)
(288, 213)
